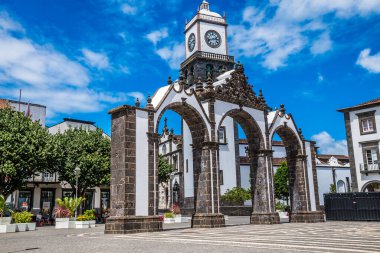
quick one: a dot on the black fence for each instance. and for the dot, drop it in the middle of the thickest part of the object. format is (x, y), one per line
(356, 206)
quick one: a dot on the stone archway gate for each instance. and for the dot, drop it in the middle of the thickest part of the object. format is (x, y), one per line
(134, 152)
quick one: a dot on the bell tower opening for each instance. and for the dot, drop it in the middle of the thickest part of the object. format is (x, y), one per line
(206, 46)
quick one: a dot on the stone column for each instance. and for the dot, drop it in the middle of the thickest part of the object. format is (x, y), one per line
(123, 217)
(300, 211)
(262, 189)
(206, 200)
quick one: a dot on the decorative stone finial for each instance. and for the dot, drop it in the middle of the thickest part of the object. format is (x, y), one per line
(199, 86)
(182, 82)
(282, 109)
(170, 80)
(209, 82)
(149, 104)
(204, 5)
(239, 66)
(137, 103)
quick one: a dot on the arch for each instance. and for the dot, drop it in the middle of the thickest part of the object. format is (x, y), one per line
(250, 127)
(193, 119)
(296, 161)
(341, 186)
(202, 166)
(369, 186)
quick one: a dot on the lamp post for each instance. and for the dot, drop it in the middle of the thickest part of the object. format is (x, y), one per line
(77, 174)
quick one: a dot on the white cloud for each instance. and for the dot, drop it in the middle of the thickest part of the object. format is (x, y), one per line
(369, 62)
(47, 76)
(173, 54)
(157, 36)
(322, 44)
(97, 60)
(328, 145)
(128, 9)
(286, 27)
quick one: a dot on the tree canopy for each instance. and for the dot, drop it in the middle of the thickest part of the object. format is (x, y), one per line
(281, 182)
(164, 170)
(25, 149)
(237, 195)
(88, 150)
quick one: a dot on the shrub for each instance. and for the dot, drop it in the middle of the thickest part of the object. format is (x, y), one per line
(169, 215)
(22, 217)
(70, 204)
(281, 207)
(332, 188)
(237, 195)
(90, 214)
(82, 218)
(3, 206)
(61, 212)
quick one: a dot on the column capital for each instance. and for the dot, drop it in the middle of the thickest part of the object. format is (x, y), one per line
(260, 153)
(207, 145)
(301, 157)
(154, 137)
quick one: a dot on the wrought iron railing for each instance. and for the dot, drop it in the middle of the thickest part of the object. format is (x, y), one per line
(365, 167)
(207, 55)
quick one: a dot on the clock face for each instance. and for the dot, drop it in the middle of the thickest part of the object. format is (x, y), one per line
(191, 42)
(213, 38)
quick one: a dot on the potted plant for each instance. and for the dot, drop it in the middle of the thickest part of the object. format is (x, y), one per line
(177, 214)
(82, 222)
(169, 217)
(23, 221)
(5, 222)
(3, 209)
(90, 217)
(65, 211)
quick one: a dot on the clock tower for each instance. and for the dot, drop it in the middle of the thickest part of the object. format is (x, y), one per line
(206, 46)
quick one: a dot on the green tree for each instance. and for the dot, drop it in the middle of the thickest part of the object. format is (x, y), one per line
(281, 182)
(164, 170)
(88, 150)
(25, 149)
(237, 195)
(332, 188)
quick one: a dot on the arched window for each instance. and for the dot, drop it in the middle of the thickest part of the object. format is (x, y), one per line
(164, 149)
(341, 187)
(209, 68)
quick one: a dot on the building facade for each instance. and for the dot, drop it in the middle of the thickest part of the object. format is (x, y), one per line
(42, 189)
(363, 137)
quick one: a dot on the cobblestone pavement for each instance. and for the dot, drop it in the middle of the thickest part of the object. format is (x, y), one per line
(358, 237)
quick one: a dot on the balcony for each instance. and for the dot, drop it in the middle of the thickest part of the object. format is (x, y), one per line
(44, 178)
(209, 56)
(370, 168)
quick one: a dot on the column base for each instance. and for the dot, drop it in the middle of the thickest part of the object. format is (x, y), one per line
(133, 224)
(205, 220)
(265, 218)
(307, 217)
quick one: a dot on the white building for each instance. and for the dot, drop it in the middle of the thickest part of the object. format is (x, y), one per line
(34, 111)
(362, 122)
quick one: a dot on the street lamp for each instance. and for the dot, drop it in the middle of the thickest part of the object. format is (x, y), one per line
(77, 174)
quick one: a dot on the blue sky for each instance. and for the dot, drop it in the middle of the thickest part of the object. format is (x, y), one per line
(82, 58)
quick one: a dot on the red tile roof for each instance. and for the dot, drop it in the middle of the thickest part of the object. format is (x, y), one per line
(362, 105)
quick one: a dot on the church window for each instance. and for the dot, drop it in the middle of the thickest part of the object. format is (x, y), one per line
(222, 134)
(164, 149)
(209, 70)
